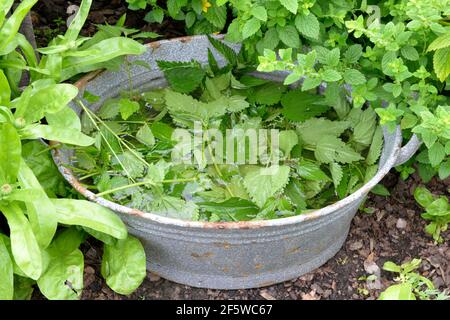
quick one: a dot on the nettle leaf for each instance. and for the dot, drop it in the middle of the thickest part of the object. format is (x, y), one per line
(300, 106)
(336, 173)
(185, 109)
(263, 183)
(224, 50)
(288, 139)
(182, 76)
(130, 164)
(311, 171)
(124, 265)
(127, 108)
(308, 25)
(268, 94)
(291, 5)
(354, 77)
(365, 127)
(375, 147)
(332, 149)
(312, 130)
(296, 194)
(145, 136)
(174, 207)
(233, 209)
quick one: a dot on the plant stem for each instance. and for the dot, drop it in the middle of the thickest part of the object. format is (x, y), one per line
(141, 183)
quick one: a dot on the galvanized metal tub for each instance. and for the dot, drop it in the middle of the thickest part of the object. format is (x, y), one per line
(228, 255)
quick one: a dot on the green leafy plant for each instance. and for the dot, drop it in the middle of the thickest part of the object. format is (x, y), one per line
(325, 152)
(388, 59)
(411, 285)
(437, 212)
(39, 243)
(200, 16)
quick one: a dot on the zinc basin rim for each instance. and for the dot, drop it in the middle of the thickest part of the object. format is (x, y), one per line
(313, 215)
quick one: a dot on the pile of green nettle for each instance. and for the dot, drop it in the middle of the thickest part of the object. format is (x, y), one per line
(222, 145)
(42, 221)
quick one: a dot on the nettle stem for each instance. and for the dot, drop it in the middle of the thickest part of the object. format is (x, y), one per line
(142, 183)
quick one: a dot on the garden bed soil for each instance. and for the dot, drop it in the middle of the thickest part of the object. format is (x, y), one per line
(393, 231)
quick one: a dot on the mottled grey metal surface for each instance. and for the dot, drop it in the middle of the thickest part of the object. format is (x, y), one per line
(230, 255)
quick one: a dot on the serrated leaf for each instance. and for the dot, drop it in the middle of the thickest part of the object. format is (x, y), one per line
(145, 136)
(410, 53)
(436, 154)
(308, 25)
(310, 83)
(300, 106)
(354, 77)
(353, 53)
(268, 94)
(259, 12)
(365, 128)
(296, 194)
(311, 171)
(291, 5)
(233, 209)
(289, 36)
(174, 207)
(288, 139)
(185, 109)
(312, 130)
(132, 167)
(217, 16)
(182, 76)
(440, 42)
(263, 183)
(332, 149)
(250, 28)
(444, 170)
(331, 75)
(336, 173)
(441, 63)
(224, 50)
(127, 108)
(375, 147)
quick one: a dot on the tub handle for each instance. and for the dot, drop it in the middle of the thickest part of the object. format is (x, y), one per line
(408, 150)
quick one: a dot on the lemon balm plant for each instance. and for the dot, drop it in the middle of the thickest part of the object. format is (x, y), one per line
(395, 55)
(40, 234)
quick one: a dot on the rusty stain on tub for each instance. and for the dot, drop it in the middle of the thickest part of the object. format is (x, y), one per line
(202, 255)
(225, 245)
(293, 250)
